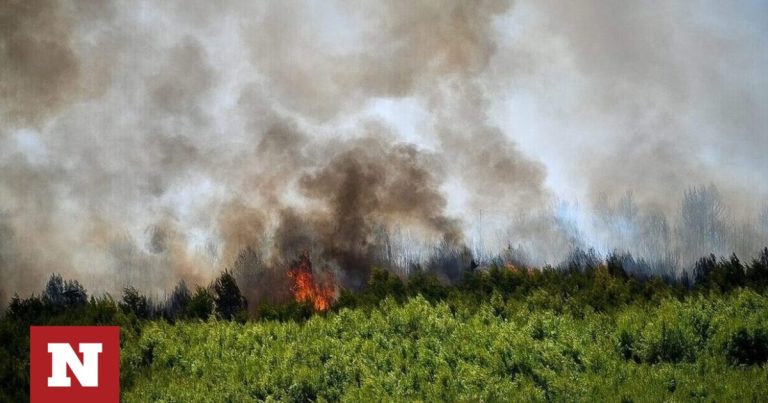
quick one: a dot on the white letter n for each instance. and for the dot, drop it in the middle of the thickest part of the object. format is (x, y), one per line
(86, 372)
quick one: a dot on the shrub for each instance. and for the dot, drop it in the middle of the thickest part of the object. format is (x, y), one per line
(670, 345)
(747, 347)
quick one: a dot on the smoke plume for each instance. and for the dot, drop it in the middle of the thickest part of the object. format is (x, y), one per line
(144, 143)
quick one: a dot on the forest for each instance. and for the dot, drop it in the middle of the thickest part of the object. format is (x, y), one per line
(589, 329)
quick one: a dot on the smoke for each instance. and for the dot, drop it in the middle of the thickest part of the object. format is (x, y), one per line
(372, 183)
(40, 70)
(145, 143)
(664, 96)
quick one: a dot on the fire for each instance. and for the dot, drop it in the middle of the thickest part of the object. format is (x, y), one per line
(306, 289)
(511, 267)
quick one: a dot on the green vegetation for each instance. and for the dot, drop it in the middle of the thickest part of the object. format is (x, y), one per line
(501, 351)
(586, 332)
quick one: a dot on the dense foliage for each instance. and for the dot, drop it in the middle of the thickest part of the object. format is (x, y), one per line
(589, 330)
(504, 350)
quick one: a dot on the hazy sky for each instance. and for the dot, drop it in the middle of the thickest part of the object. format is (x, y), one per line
(201, 121)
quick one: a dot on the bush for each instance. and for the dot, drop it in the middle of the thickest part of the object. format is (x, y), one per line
(747, 347)
(669, 345)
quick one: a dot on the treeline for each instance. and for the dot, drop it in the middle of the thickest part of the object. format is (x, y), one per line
(67, 300)
(584, 279)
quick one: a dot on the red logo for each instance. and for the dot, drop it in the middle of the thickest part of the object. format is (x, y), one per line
(74, 364)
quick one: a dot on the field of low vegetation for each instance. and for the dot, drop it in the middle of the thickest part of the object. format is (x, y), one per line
(696, 349)
(594, 333)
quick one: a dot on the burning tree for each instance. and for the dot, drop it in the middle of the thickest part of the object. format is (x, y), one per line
(306, 289)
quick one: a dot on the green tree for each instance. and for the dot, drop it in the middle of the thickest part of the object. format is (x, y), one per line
(177, 304)
(201, 304)
(60, 294)
(229, 302)
(133, 301)
(757, 272)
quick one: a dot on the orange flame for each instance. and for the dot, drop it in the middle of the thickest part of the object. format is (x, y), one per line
(511, 267)
(304, 287)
